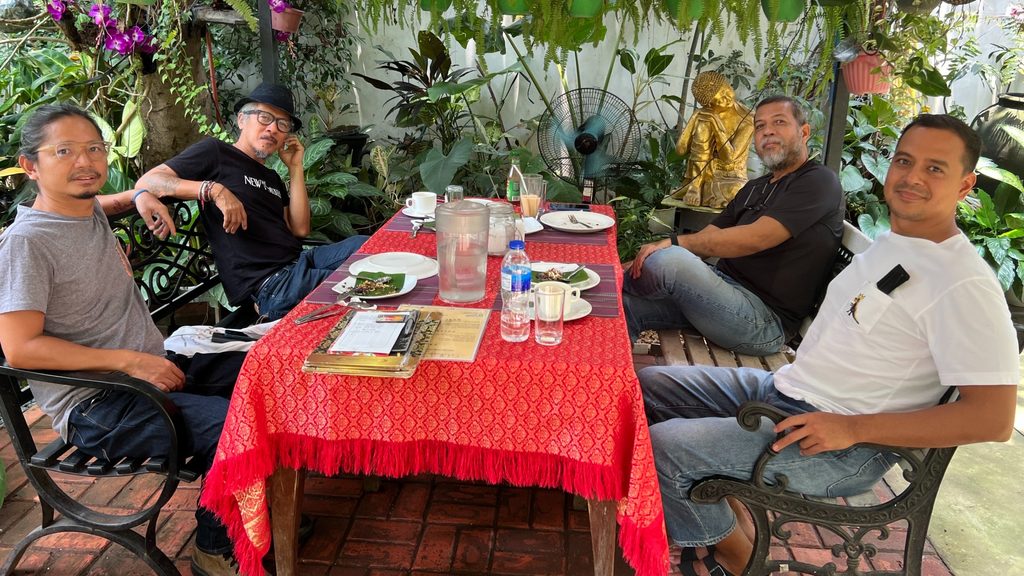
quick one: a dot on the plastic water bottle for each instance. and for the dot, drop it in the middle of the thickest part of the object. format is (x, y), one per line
(514, 184)
(515, 293)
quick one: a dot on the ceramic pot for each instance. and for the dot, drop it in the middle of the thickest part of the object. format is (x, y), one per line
(867, 74)
(287, 21)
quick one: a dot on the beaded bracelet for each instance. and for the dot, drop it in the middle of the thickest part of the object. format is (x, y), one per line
(204, 192)
(137, 192)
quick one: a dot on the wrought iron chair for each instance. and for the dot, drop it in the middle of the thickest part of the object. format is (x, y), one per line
(170, 273)
(773, 507)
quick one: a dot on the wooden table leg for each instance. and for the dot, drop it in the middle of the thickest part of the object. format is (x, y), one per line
(602, 535)
(285, 492)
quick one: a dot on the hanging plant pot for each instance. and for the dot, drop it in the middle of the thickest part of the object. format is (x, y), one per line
(430, 5)
(690, 9)
(867, 74)
(918, 6)
(957, 2)
(513, 7)
(287, 21)
(783, 10)
(585, 8)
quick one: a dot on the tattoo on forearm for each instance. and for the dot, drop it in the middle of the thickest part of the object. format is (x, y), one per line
(164, 184)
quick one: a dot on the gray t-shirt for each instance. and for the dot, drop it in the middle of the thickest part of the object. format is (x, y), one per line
(73, 271)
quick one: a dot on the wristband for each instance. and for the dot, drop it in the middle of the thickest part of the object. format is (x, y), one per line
(136, 195)
(673, 239)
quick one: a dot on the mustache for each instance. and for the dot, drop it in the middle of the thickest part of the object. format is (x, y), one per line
(269, 137)
(86, 173)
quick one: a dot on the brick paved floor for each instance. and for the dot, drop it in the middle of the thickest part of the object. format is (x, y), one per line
(415, 526)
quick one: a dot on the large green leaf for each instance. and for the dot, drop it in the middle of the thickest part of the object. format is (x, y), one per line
(135, 131)
(996, 173)
(315, 152)
(319, 206)
(871, 227)
(922, 76)
(438, 170)
(657, 62)
(341, 224)
(852, 181)
(627, 58)
(877, 165)
(364, 190)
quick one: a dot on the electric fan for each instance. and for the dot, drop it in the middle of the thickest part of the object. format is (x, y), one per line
(586, 134)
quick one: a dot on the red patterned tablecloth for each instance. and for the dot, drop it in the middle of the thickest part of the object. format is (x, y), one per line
(569, 416)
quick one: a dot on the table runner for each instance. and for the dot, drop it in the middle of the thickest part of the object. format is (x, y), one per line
(569, 416)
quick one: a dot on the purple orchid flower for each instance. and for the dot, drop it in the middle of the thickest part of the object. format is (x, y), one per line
(56, 8)
(136, 35)
(99, 14)
(279, 5)
(281, 36)
(118, 42)
(148, 46)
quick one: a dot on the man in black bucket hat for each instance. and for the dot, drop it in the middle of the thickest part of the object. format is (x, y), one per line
(253, 221)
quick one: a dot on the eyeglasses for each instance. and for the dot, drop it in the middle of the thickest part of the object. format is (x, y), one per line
(266, 118)
(762, 198)
(70, 151)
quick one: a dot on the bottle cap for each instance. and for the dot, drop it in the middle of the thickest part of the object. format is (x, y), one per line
(516, 245)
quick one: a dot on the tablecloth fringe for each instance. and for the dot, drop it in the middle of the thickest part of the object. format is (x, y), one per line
(398, 459)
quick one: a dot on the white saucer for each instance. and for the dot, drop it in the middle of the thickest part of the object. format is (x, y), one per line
(407, 286)
(396, 263)
(416, 214)
(483, 201)
(531, 225)
(578, 309)
(586, 222)
(592, 277)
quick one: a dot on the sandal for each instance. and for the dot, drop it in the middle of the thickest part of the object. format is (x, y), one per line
(714, 568)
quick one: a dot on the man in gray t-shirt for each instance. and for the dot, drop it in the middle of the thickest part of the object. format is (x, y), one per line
(68, 302)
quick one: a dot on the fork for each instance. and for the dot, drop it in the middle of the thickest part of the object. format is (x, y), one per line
(574, 220)
(320, 312)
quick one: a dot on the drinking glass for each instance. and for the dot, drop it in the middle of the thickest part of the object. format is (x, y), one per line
(548, 310)
(532, 197)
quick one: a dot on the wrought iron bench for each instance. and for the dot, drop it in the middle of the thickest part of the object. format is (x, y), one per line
(775, 510)
(170, 273)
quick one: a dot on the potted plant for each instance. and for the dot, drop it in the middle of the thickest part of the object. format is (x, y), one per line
(513, 7)
(585, 8)
(867, 73)
(782, 10)
(688, 9)
(284, 17)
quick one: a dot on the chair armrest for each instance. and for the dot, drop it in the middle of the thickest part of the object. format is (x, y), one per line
(120, 382)
(749, 418)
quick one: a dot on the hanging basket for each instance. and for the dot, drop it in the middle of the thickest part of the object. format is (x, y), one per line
(287, 21)
(957, 2)
(867, 74)
(513, 7)
(692, 9)
(783, 10)
(429, 5)
(585, 8)
(917, 6)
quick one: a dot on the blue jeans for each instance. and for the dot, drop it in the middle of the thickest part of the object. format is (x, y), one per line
(289, 285)
(694, 433)
(115, 425)
(679, 290)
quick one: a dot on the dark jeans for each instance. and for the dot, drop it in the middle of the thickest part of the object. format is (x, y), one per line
(289, 285)
(115, 425)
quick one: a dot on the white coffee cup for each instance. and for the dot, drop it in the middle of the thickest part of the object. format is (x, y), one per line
(422, 202)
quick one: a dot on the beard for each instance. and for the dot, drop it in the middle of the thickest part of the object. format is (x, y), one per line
(88, 195)
(785, 156)
(262, 154)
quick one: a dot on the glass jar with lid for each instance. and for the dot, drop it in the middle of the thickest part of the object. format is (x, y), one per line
(501, 229)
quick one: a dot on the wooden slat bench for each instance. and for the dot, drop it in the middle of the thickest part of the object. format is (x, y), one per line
(857, 521)
(170, 273)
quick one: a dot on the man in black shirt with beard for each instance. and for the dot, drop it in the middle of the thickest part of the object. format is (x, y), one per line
(255, 224)
(775, 243)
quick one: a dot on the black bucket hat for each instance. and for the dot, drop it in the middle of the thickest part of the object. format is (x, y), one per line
(275, 95)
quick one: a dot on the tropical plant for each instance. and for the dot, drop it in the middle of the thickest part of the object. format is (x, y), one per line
(872, 131)
(334, 192)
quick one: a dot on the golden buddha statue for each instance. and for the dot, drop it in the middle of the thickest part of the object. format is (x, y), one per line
(717, 137)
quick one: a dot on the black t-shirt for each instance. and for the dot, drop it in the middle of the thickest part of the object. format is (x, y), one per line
(789, 277)
(246, 257)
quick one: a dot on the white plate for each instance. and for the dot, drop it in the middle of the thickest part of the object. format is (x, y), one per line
(416, 214)
(407, 286)
(577, 310)
(483, 201)
(560, 221)
(396, 263)
(531, 225)
(592, 278)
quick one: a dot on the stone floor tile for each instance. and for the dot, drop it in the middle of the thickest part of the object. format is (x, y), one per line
(534, 541)
(549, 509)
(437, 548)
(466, 514)
(473, 551)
